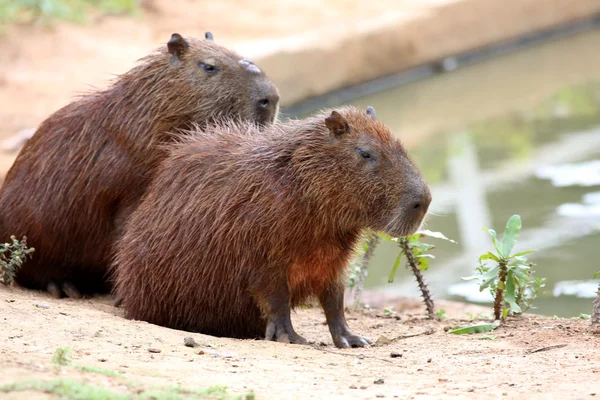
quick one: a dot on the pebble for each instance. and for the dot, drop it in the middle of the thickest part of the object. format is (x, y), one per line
(379, 381)
(154, 350)
(353, 387)
(395, 354)
(42, 305)
(189, 342)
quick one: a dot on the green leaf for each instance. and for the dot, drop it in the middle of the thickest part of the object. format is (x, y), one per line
(509, 294)
(437, 235)
(511, 234)
(489, 256)
(494, 240)
(596, 275)
(422, 247)
(395, 268)
(480, 327)
(523, 253)
(487, 337)
(424, 262)
(386, 237)
(488, 278)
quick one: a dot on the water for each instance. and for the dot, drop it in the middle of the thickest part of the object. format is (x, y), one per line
(482, 135)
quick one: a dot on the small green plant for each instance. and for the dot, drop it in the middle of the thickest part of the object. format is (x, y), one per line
(61, 358)
(358, 267)
(479, 327)
(441, 314)
(595, 317)
(389, 311)
(12, 257)
(417, 256)
(511, 280)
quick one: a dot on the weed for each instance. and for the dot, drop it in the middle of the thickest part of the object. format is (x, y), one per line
(511, 281)
(358, 267)
(97, 370)
(441, 314)
(418, 260)
(389, 311)
(11, 262)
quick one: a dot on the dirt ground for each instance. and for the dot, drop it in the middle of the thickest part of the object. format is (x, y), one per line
(519, 363)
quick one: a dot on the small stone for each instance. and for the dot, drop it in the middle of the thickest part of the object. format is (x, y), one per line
(10, 300)
(42, 305)
(379, 395)
(189, 342)
(62, 313)
(201, 352)
(429, 360)
(447, 328)
(102, 359)
(361, 356)
(379, 381)
(395, 354)
(442, 380)
(154, 350)
(363, 387)
(353, 387)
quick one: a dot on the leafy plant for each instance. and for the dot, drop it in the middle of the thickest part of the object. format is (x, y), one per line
(511, 280)
(389, 311)
(479, 327)
(11, 262)
(441, 314)
(61, 358)
(595, 317)
(358, 267)
(417, 256)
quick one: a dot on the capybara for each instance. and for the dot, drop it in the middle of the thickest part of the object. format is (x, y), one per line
(87, 166)
(239, 226)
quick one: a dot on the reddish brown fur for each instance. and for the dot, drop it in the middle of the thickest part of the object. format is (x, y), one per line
(87, 166)
(239, 223)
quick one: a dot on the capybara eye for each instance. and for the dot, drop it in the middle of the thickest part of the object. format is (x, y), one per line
(363, 154)
(207, 67)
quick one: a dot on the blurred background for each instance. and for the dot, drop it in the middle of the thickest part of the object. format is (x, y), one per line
(498, 102)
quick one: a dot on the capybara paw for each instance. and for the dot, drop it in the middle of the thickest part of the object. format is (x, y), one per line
(54, 290)
(350, 340)
(71, 291)
(66, 287)
(277, 333)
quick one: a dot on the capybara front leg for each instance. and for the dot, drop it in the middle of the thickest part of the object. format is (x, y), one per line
(279, 324)
(332, 301)
(53, 289)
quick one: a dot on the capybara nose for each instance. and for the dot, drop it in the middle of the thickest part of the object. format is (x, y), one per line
(422, 204)
(267, 108)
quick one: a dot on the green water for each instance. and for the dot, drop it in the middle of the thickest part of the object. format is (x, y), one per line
(480, 135)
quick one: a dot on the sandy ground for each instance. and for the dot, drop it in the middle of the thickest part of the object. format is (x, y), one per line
(431, 362)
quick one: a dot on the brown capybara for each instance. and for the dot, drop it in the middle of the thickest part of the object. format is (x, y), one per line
(87, 166)
(239, 226)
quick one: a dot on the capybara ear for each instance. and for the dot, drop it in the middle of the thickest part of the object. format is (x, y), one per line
(177, 45)
(209, 36)
(336, 124)
(371, 112)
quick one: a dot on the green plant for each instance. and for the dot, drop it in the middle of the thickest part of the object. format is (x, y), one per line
(417, 258)
(358, 266)
(11, 262)
(441, 314)
(511, 280)
(389, 311)
(595, 317)
(61, 358)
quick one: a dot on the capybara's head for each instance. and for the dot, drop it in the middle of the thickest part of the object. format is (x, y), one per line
(211, 82)
(366, 172)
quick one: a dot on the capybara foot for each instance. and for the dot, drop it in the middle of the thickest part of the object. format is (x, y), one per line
(350, 340)
(54, 290)
(118, 302)
(278, 333)
(71, 291)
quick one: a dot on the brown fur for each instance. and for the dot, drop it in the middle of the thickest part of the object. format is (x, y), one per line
(85, 169)
(240, 225)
